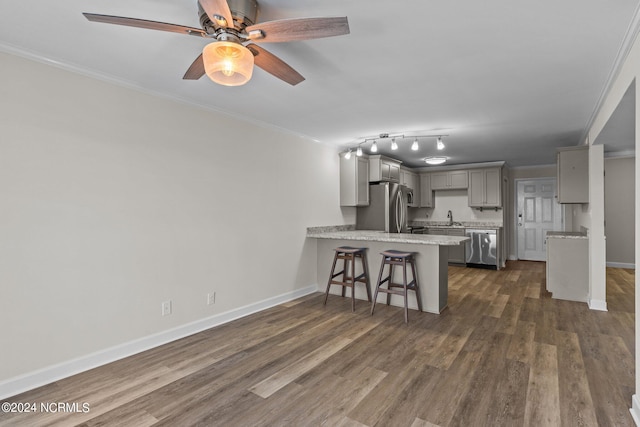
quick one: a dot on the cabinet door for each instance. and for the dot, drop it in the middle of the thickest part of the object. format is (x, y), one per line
(394, 172)
(457, 253)
(476, 188)
(386, 171)
(354, 181)
(485, 189)
(458, 180)
(415, 186)
(439, 181)
(573, 175)
(426, 194)
(362, 185)
(493, 188)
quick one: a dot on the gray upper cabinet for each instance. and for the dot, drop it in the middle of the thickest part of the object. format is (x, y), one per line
(426, 193)
(383, 168)
(354, 181)
(412, 182)
(573, 174)
(450, 180)
(485, 189)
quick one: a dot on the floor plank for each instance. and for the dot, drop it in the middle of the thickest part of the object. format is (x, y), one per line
(503, 353)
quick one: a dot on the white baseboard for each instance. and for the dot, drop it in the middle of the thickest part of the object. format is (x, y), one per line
(596, 304)
(635, 409)
(621, 265)
(22, 383)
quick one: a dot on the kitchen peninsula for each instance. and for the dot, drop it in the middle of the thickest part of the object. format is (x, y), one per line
(431, 260)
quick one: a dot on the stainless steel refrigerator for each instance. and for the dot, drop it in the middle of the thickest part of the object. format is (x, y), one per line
(387, 210)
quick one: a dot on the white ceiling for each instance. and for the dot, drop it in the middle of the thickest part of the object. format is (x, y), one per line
(507, 80)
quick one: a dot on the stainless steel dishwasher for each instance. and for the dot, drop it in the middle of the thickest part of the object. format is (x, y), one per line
(482, 248)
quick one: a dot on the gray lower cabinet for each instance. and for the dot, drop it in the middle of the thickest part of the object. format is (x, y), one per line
(568, 268)
(456, 253)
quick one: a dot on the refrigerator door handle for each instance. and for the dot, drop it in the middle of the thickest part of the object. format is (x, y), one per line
(397, 210)
(402, 216)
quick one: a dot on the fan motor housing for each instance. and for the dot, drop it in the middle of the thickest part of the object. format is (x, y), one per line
(244, 12)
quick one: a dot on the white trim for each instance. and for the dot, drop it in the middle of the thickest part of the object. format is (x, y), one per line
(596, 304)
(621, 56)
(621, 265)
(635, 409)
(29, 381)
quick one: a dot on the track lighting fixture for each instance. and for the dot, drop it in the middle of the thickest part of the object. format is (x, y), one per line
(415, 145)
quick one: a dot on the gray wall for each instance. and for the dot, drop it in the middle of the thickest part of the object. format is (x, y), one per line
(619, 211)
(114, 201)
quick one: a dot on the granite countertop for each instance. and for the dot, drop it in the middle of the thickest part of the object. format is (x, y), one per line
(567, 235)
(381, 236)
(456, 224)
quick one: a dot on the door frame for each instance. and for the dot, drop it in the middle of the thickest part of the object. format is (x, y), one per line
(514, 223)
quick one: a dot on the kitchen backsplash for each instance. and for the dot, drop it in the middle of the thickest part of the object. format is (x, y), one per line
(457, 202)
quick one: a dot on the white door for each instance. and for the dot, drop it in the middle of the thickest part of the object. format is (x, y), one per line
(537, 212)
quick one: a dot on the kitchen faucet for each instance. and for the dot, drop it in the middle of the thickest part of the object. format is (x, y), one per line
(450, 216)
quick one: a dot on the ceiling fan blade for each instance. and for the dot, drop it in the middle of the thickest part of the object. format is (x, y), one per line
(217, 8)
(143, 23)
(274, 65)
(196, 70)
(285, 30)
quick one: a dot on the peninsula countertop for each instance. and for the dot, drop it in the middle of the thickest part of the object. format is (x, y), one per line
(381, 236)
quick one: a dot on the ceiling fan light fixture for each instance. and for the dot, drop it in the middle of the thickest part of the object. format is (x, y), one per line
(415, 145)
(228, 63)
(439, 143)
(435, 160)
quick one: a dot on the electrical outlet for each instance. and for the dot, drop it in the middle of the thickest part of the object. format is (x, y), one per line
(211, 298)
(166, 308)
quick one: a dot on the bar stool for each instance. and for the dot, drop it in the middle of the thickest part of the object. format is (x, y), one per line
(393, 258)
(349, 255)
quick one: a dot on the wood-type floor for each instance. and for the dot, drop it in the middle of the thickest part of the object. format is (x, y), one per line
(504, 353)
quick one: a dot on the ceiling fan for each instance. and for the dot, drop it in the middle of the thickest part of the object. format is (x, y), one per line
(230, 58)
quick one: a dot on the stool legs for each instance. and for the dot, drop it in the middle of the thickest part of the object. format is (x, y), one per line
(349, 278)
(415, 285)
(402, 259)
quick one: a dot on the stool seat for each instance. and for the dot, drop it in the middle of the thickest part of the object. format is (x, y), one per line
(396, 254)
(349, 249)
(393, 258)
(348, 255)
